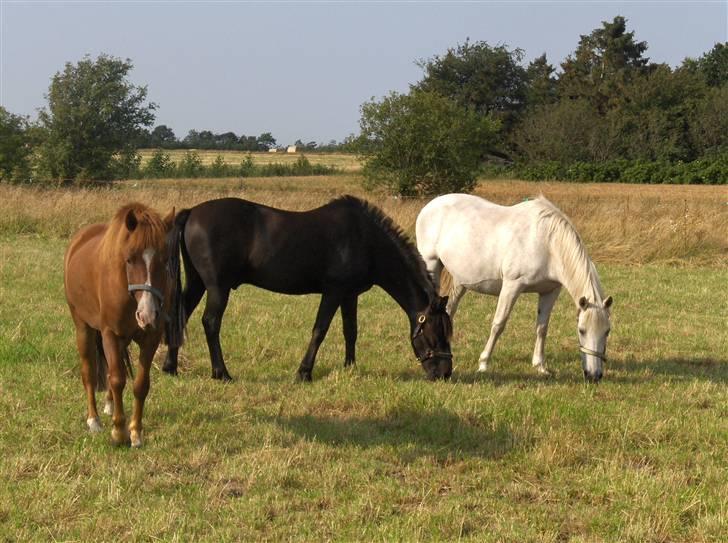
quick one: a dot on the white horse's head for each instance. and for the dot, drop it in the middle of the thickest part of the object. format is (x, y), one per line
(593, 327)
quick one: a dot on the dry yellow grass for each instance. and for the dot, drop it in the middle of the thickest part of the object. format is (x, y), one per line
(345, 162)
(628, 224)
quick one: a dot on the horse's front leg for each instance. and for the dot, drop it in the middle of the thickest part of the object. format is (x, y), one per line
(506, 300)
(546, 303)
(117, 380)
(348, 319)
(327, 308)
(147, 349)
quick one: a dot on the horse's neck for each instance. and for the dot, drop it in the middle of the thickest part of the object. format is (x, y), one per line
(577, 274)
(401, 280)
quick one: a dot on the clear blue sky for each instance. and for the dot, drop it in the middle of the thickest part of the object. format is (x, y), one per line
(301, 70)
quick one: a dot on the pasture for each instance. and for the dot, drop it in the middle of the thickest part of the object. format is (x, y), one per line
(375, 452)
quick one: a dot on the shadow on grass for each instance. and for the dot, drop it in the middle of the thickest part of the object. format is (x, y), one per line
(413, 434)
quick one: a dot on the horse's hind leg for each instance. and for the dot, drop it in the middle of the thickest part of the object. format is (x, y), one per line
(327, 308)
(86, 343)
(217, 299)
(545, 306)
(191, 297)
(348, 318)
(506, 300)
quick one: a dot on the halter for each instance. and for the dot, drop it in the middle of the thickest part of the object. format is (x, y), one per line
(429, 353)
(148, 288)
(602, 355)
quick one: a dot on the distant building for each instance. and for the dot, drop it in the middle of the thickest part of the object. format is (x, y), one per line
(273, 150)
(291, 149)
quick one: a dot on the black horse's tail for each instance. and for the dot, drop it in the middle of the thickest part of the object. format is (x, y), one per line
(175, 243)
(102, 366)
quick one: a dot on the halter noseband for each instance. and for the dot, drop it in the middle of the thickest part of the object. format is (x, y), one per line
(429, 353)
(585, 350)
(148, 288)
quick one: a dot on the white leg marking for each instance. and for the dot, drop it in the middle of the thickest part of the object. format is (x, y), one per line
(94, 425)
(109, 407)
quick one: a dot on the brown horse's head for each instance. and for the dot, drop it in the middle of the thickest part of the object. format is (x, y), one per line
(431, 340)
(138, 235)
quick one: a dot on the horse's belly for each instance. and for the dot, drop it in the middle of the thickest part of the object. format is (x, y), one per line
(487, 286)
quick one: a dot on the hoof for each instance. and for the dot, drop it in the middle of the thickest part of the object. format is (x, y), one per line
(349, 363)
(120, 437)
(94, 425)
(482, 367)
(109, 408)
(136, 438)
(169, 370)
(304, 376)
(221, 375)
(543, 371)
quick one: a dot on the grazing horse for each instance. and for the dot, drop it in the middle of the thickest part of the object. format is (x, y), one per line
(339, 250)
(116, 282)
(504, 251)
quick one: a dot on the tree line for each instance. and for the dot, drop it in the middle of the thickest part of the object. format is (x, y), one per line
(607, 114)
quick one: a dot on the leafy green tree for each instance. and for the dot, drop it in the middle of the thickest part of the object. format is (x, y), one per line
(712, 66)
(162, 136)
(488, 79)
(604, 62)
(15, 148)
(422, 143)
(265, 141)
(93, 113)
(542, 84)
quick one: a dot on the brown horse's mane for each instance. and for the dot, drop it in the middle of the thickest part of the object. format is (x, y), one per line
(149, 232)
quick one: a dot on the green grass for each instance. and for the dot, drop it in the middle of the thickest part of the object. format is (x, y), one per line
(376, 452)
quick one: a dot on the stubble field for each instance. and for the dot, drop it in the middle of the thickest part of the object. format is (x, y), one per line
(375, 452)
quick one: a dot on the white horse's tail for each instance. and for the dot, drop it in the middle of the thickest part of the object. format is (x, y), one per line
(446, 283)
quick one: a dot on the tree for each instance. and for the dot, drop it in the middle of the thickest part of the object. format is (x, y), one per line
(422, 143)
(712, 66)
(604, 62)
(162, 136)
(476, 75)
(541, 84)
(266, 141)
(15, 146)
(93, 113)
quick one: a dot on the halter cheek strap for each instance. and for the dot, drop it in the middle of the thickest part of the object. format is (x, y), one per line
(585, 350)
(429, 353)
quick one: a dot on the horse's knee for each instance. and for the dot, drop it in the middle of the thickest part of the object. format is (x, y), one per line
(211, 322)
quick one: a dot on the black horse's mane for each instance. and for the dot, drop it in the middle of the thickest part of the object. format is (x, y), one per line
(395, 233)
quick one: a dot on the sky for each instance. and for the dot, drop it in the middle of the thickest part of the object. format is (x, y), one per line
(301, 70)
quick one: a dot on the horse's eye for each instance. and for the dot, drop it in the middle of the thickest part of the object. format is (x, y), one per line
(582, 331)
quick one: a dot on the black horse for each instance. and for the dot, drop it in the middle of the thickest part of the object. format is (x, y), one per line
(340, 250)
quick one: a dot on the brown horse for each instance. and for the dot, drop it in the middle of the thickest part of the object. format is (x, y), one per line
(117, 282)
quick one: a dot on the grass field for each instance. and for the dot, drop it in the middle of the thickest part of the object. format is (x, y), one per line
(376, 452)
(343, 161)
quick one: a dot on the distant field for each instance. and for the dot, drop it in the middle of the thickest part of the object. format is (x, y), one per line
(344, 162)
(375, 453)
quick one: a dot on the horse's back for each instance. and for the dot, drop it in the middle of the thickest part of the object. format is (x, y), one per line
(233, 241)
(480, 242)
(80, 270)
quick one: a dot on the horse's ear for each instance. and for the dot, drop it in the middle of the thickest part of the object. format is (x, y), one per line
(583, 303)
(169, 220)
(608, 302)
(131, 220)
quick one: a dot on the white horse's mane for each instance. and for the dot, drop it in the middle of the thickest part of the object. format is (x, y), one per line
(580, 274)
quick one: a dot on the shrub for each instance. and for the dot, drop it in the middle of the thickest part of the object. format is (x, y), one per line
(190, 165)
(159, 165)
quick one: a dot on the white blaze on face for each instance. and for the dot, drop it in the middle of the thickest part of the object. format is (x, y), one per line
(147, 308)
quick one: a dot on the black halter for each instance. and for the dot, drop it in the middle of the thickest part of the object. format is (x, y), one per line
(429, 353)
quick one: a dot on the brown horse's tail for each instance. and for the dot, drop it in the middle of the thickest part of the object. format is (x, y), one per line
(102, 366)
(175, 329)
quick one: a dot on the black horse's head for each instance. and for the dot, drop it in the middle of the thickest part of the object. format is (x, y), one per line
(431, 339)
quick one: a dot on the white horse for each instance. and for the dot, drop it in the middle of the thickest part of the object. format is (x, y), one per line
(504, 251)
